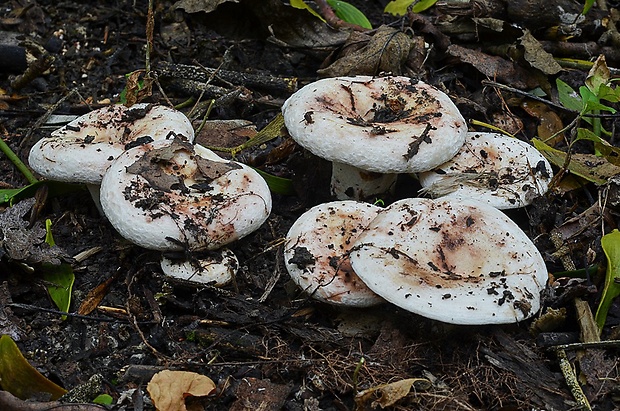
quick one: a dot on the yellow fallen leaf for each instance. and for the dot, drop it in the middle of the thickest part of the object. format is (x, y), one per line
(168, 389)
(392, 392)
(20, 378)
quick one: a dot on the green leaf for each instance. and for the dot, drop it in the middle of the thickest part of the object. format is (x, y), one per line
(278, 185)
(400, 7)
(602, 147)
(611, 246)
(592, 102)
(605, 92)
(49, 238)
(60, 279)
(588, 166)
(587, 6)
(349, 13)
(568, 96)
(56, 188)
(301, 4)
(20, 378)
(104, 399)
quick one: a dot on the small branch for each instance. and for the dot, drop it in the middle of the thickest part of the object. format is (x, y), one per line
(205, 75)
(572, 381)
(593, 344)
(542, 100)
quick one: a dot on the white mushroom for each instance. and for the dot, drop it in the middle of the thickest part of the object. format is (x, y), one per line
(456, 261)
(173, 195)
(81, 151)
(316, 252)
(493, 168)
(372, 128)
(217, 268)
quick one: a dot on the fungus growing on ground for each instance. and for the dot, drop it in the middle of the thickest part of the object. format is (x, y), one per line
(372, 128)
(316, 252)
(82, 150)
(492, 168)
(216, 268)
(172, 195)
(456, 261)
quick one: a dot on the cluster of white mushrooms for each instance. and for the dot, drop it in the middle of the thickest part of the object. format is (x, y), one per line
(456, 258)
(158, 189)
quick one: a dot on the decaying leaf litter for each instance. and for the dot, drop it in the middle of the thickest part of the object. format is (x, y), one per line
(260, 340)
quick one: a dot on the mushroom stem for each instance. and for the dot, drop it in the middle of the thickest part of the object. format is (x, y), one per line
(352, 183)
(94, 190)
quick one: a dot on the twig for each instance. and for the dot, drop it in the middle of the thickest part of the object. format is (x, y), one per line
(207, 74)
(592, 344)
(542, 100)
(33, 71)
(48, 113)
(134, 321)
(572, 381)
(61, 313)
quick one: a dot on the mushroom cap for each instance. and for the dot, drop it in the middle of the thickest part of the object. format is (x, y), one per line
(493, 168)
(456, 261)
(217, 268)
(82, 150)
(316, 252)
(171, 195)
(381, 124)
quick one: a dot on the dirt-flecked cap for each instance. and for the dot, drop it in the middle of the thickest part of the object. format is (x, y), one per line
(456, 261)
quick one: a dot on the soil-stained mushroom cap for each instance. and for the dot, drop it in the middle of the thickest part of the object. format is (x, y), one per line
(456, 261)
(82, 150)
(217, 268)
(493, 168)
(378, 124)
(316, 252)
(172, 195)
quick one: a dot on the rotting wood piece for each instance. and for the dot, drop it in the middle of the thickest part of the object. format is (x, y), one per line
(533, 14)
(206, 74)
(543, 386)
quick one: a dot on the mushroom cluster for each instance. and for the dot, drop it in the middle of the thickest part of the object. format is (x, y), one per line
(82, 150)
(453, 260)
(457, 258)
(157, 189)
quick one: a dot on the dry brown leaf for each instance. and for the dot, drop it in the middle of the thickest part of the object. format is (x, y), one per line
(549, 122)
(94, 297)
(494, 67)
(386, 51)
(391, 393)
(168, 389)
(537, 56)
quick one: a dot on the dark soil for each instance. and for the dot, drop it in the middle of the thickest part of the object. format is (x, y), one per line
(265, 344)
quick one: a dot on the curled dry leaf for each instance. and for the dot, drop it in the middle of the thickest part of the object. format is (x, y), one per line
(168, 389)
(386, 51)
(391, 393)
